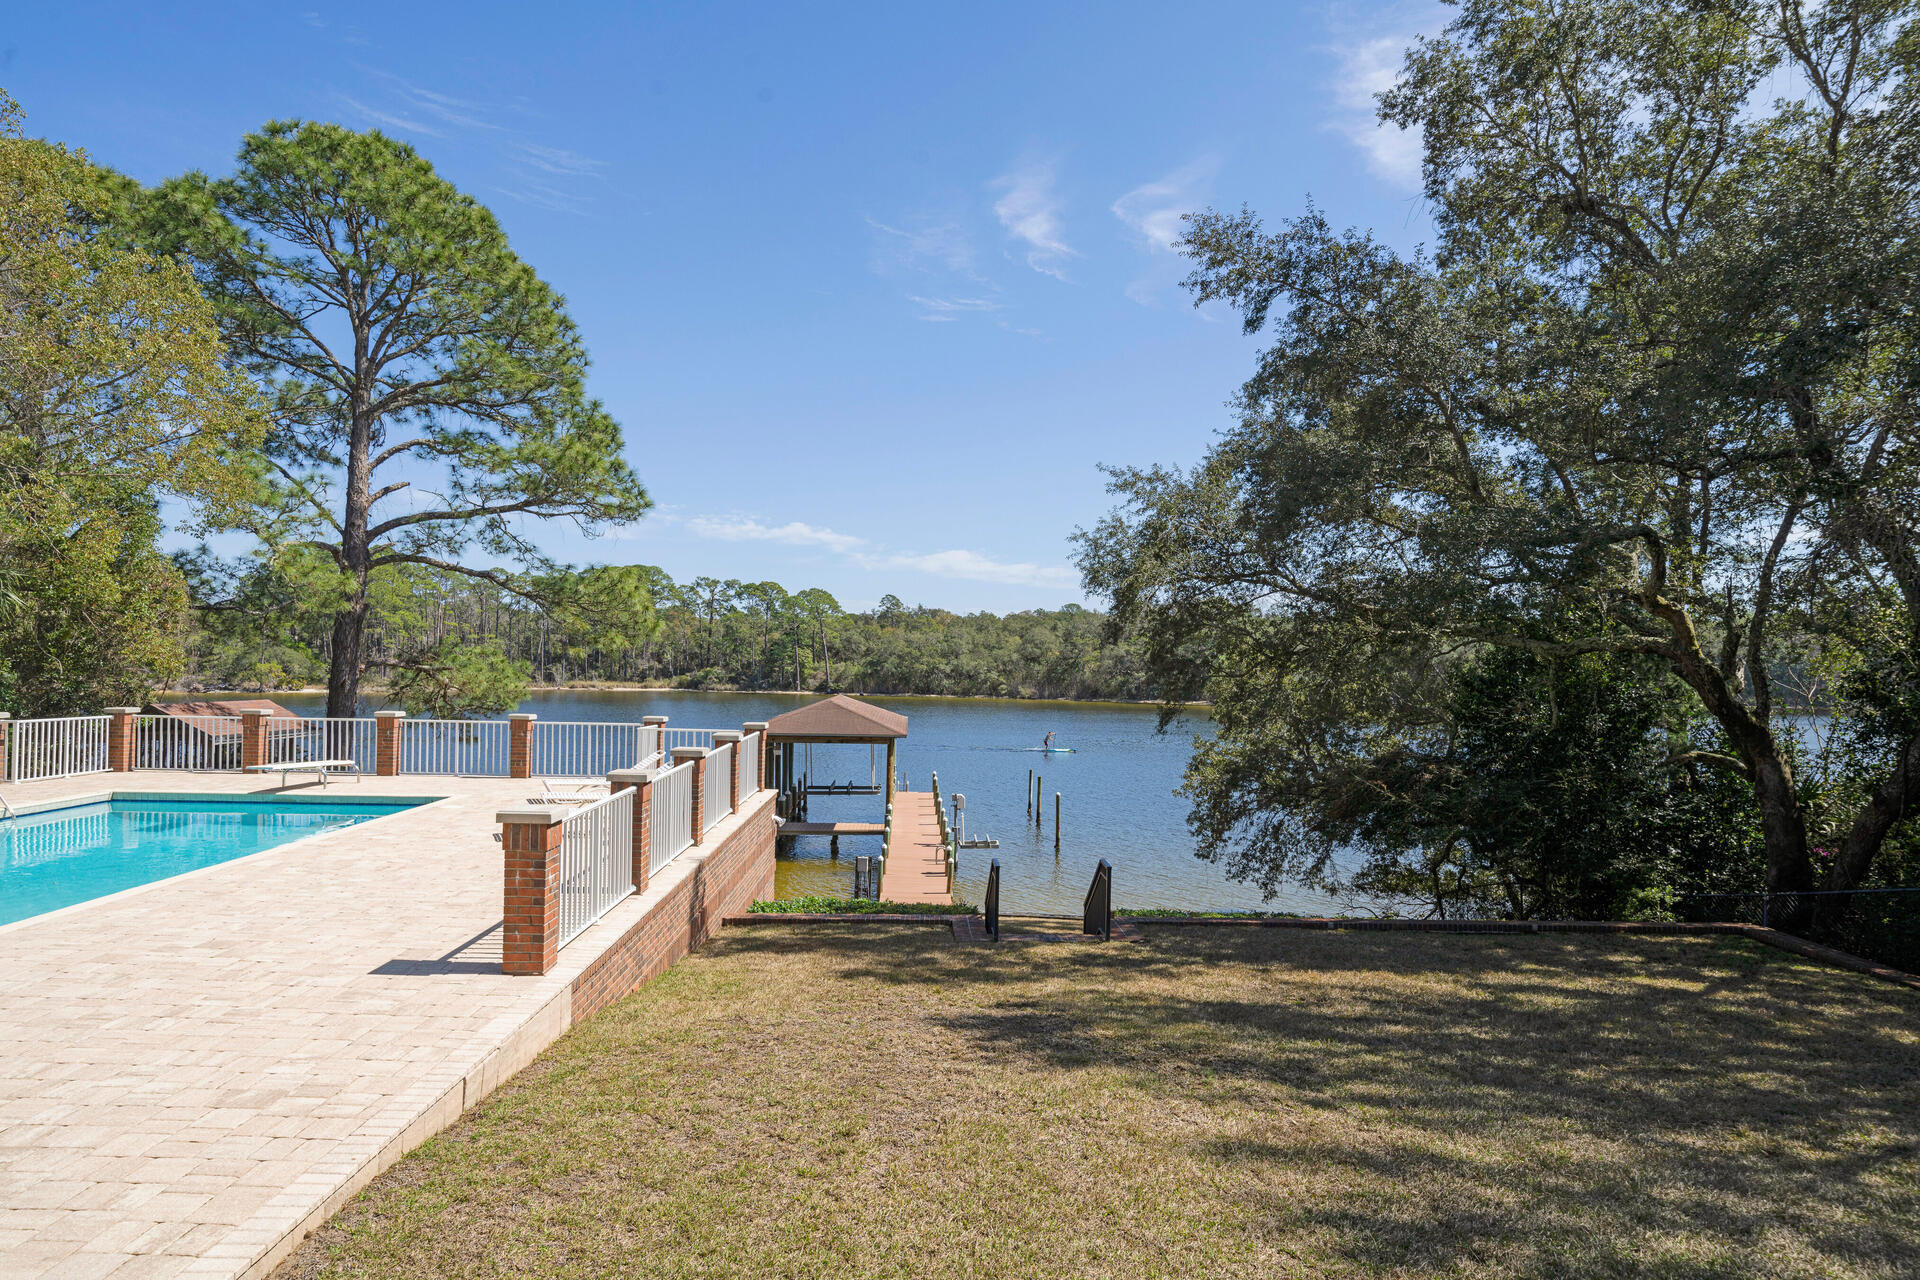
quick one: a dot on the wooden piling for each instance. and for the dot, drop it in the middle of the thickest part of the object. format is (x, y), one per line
(1029, 793)
(1056, 822)
(1039, 805)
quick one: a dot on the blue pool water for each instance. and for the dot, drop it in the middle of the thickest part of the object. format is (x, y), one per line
(63, 856)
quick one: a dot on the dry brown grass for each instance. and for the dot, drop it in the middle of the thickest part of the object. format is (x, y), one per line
(876, 1101)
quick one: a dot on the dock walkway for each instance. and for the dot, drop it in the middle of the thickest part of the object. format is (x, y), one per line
(916, 860)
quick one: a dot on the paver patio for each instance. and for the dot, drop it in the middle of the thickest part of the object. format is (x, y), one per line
(194, 1071)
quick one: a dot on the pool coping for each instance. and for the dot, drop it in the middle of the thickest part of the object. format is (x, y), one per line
(38, 808)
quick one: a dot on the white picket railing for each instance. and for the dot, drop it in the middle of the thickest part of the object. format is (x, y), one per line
(719, 775)
(596, 861)
(586, 748)
(198, 744)
(670, 817)
(750, 762)
(310, 738)
(673, 738)
(56, 747)
(473, 747)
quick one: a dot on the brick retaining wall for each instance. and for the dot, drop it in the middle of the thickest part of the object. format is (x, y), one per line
(724, 883)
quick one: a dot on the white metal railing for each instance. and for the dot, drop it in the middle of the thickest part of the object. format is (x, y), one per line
(586, 748)
(474, 747)
(596, 861)
(200, 744)
(749, 760)
(670, 816)
(322, 738)
(672, 737)
(719, 775)
(55, 747)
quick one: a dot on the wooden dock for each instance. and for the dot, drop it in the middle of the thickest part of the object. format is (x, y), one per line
(916, 860)
(832, 828)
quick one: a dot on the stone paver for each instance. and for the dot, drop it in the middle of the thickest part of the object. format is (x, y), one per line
(193, 1072)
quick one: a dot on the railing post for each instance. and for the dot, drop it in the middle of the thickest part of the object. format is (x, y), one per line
(721, 738)
(520, 744)
(120, 730)
(530, 915)
(641, 781)
(659, 724)
(253, 736)
(699, 757)
(759, 774)
(387, 728)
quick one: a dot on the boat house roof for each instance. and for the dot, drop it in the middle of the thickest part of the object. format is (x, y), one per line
(217, 719)
(838, 719)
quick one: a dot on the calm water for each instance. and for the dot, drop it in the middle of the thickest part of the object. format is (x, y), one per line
(1116, 793)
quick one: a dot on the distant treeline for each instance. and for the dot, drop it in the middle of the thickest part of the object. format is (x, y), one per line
(454, 643)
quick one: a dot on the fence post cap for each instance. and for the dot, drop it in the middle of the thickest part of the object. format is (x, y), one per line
(122, 711)
(689, 753)
(754, 726)
(653, 719)
(389, 715)
(727, 735)
(256, 711)
(530, 815)
(629, 778)
(522, 715)
(6, 715)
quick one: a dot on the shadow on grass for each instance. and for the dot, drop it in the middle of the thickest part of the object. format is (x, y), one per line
(1596, 1104)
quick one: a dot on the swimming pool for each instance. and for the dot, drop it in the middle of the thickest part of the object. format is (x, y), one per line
(58, 857)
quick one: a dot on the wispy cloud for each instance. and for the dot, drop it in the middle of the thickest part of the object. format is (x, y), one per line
(951, 308)
(1151, 213)
(923, 244)
(958, 563)
(1367, 68)
(558, 160)
(793, 533)
(974, 567)
(391, 120)
(1031, 211)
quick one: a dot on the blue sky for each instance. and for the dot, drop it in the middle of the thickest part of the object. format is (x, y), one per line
(872, 289)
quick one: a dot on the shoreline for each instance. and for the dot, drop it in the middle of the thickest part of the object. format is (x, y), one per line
(182, 695)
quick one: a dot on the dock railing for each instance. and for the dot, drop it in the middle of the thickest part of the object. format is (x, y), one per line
(949, 850)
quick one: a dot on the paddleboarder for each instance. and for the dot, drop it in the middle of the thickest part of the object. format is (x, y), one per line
(1046, 744)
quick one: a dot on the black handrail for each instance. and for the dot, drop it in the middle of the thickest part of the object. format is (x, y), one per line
(1096, 916)
(993, 900)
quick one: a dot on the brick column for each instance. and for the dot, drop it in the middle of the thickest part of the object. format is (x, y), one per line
(387, 728)
(520, 744)
(530, 911)
(120, 728)
(699, 757)
(720, 739)
(253, 736)
(759, 775)
(6, 736)
(641, 781)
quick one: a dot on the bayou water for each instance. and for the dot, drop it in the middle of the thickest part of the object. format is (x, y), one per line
(1116, 791)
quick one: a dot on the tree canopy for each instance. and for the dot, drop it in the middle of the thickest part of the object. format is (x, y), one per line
(114, 392)
(427, 387)
(1651, 396)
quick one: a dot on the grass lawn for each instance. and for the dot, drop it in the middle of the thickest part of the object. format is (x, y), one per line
(839, 1101)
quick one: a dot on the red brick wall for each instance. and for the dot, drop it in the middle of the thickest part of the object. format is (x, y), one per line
(530, 937)
(726, 881)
